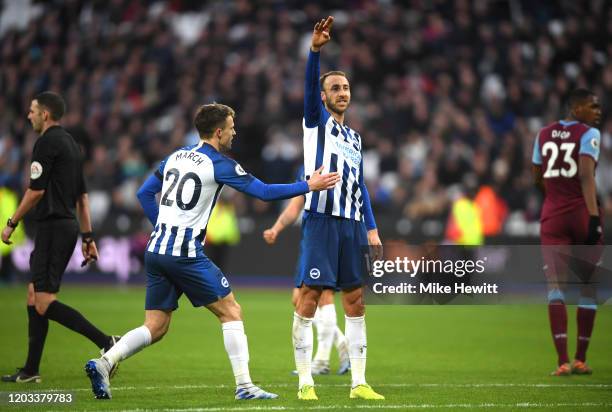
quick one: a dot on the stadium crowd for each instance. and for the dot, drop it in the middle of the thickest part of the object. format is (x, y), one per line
(441, 90)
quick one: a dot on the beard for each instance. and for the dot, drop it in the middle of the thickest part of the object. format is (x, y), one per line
(334, 107)
(225, 147)
(37, 127)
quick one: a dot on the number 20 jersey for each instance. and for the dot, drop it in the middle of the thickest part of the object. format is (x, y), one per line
(557, 150)
(192, 181)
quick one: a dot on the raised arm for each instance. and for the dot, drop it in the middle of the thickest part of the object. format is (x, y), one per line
(312, 94)
(313, 106)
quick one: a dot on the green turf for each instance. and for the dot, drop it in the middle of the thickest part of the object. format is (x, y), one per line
(450, 358)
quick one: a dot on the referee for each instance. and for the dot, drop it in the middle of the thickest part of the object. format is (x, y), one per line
(57, 190)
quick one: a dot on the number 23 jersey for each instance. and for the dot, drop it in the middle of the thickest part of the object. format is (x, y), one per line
(557, 150)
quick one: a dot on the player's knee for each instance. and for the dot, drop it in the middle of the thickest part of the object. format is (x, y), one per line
(41, 307)
(327, 297)
(353, 304)
(159, 334)
(355, 309)
(31, 298)
(306, 305)
(158, 330)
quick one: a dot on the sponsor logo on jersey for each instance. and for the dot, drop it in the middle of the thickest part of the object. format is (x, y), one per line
(36, 170)
(240, 171)
(224, 282)
(315, 273)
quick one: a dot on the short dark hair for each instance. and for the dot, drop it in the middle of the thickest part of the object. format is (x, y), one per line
(53, 103)
(210, 117)
(332, 73)
(577, 97)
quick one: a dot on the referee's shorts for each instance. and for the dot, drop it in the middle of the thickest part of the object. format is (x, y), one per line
(53, 247)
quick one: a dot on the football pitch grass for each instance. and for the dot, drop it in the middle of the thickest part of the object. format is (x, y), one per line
(420, 357)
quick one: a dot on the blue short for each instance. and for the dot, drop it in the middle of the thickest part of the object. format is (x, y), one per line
(331, 252)
(168, 277)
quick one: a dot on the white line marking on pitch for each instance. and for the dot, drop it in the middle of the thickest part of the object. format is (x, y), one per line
(389, 385)
(519, 405)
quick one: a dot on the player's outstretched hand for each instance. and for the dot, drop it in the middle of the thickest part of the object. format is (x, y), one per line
(318, 182)
(320, 34)
(270, 235)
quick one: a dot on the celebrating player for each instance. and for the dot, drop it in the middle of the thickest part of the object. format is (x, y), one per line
(190, 181)
(565, 155)
(325, 320)
(333, 230)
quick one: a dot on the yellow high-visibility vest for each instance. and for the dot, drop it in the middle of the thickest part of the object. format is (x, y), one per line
(223, 225)
(8, 205)
(466, 217)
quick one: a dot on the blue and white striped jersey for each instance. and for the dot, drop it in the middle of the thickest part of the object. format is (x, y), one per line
(190, 181)
(338, 148)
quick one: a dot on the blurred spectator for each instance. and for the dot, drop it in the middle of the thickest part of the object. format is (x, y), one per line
(441, 89)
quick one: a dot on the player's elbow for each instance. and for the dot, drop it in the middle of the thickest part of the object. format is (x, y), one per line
(37, 194)
(141, 193)
(82, 200)
(144, 196)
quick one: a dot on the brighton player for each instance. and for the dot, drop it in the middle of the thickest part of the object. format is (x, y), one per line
(325, 320)
(333, 229)
(565, 155)
(190, 181)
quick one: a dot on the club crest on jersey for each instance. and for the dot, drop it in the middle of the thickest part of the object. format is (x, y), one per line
(36, 170)
(239, 170)
(315, 273)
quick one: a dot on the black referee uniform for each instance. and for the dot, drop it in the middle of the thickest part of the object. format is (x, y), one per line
(57, 167)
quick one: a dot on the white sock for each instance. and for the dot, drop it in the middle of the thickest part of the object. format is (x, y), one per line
(325, 332)
(129, 344)
(316, 320)
(339, 338)
(302, 348)
(237, 349)
(357, 347)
